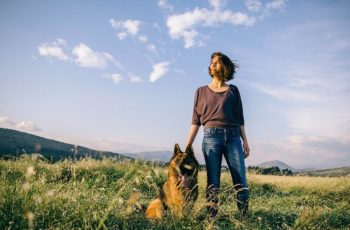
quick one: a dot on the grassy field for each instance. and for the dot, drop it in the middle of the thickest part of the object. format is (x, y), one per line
(107, 194)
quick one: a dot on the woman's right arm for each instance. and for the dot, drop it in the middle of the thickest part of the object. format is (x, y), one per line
(192, 134)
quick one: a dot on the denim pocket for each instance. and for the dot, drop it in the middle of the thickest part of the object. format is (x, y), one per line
(207, 132)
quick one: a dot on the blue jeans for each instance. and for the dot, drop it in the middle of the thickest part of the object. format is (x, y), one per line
(218, 141)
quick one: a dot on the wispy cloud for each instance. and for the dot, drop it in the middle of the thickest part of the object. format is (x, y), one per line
(288, 93)
(115, 77)
(276, 4)
(253, 5)
(185, 25)
(54, 50)
(135, 79)
(85, 57)
(143, 38)
(308, 95)
(6, 121)
(302, 151)
(125, 28)
(151, 48)
(165, 5)
(159, 70)
(122, 146)
(60, 42)
(132, 28)
(262, 10)
(28, 126)
(217, 4)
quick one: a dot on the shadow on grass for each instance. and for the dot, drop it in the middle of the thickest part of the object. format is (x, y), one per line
(271, 220)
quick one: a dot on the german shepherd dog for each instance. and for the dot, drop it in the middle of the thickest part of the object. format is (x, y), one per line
(180, 190)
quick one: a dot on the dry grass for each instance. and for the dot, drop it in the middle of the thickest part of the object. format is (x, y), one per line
(285, 183)
(100, 194)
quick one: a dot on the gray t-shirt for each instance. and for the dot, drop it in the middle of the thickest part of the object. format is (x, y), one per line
(212, 109)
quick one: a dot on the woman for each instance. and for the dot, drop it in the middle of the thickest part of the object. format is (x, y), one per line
(218, 107)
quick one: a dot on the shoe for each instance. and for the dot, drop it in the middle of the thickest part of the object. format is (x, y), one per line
(242, 211)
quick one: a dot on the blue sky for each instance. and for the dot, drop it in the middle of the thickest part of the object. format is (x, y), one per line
(121, 75)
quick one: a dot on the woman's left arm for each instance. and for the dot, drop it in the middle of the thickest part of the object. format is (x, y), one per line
(246, 148)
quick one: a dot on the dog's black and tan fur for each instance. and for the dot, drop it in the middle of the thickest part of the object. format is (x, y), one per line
(180, 190)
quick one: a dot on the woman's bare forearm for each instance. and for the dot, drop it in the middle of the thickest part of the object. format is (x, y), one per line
(192, 134)
(243, 134)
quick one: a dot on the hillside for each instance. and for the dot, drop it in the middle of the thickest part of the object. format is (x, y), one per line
(15, 143)
(336, 172)
(160, 156)
(281, 165)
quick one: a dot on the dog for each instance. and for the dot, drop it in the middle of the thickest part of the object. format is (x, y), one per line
(180, 190)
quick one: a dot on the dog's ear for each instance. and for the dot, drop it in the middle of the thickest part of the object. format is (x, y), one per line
(189, 149)
(177, 150)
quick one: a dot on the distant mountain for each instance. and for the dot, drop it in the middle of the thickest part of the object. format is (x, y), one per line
(15, 143)
(335, 172)
(306, 169)
(161, 156)
(281, 165)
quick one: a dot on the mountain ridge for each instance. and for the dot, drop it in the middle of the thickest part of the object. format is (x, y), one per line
(276, 163)
(14, 143)
(160, 156)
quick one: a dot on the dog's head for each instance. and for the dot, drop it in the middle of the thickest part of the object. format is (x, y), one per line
(184, 163)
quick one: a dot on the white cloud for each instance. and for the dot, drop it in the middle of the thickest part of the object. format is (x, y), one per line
(28, 126)
(218, 4)
(86, 57)
(24, 125)
(276, 4)
(159, 70)
(287, 93)
(122, 35)
(184, 25)
(143, 38)
(115, 77)
(253, 5)
(302, 151)
(135, 79)
(316, 119)
(125, 28)
(54, 50)
(180, 71)
(6, 121)
(60, 42)
(270, 6)
(164, 4)
(111, 59)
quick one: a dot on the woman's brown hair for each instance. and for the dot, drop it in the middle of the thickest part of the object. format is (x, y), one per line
(229, 68)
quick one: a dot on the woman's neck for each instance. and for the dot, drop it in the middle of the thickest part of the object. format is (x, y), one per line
(216, 83)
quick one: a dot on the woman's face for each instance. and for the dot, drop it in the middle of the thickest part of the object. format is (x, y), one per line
(215, 66)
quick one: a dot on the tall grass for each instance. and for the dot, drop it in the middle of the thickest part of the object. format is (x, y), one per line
(111, 194)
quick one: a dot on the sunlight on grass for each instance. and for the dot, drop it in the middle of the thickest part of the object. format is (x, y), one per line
(100, 194)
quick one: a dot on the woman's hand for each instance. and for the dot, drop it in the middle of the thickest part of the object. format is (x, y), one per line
(246, 149)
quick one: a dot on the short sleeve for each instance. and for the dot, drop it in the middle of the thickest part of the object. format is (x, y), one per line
(196, 115)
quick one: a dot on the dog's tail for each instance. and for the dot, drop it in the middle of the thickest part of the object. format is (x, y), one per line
(155, 209)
